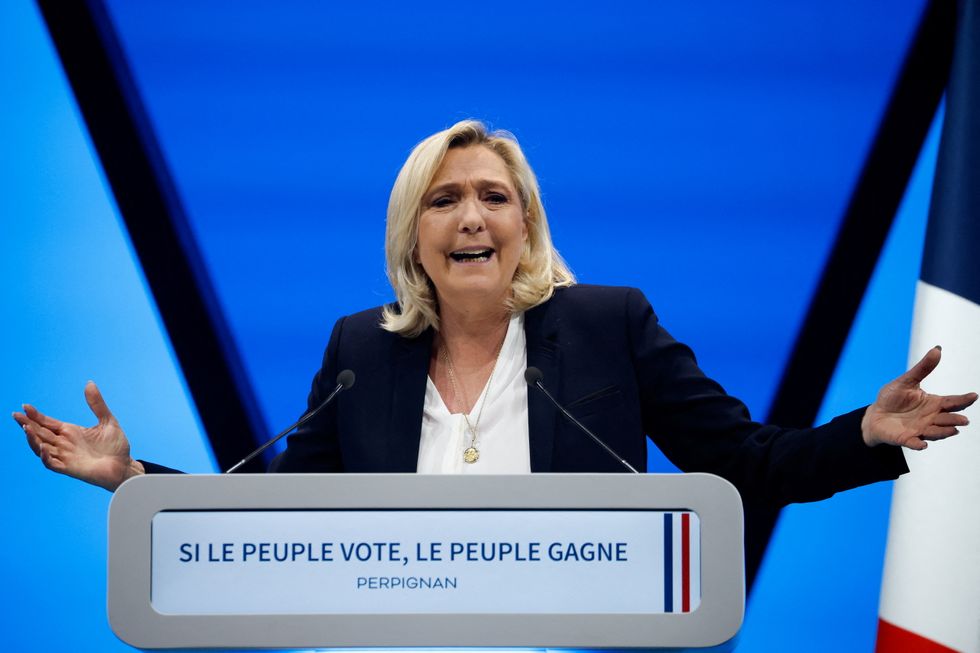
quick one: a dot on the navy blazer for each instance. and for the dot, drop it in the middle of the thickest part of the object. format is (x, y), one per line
(606, 358)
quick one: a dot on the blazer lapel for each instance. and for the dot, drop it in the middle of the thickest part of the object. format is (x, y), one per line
(409, 373)
(543, 352)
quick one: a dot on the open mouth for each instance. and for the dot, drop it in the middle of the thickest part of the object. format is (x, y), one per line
(472, 255)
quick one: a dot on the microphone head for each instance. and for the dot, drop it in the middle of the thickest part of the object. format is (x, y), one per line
(345, 379)
(533, 375)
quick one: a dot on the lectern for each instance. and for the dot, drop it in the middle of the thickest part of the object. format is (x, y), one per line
(612, 561)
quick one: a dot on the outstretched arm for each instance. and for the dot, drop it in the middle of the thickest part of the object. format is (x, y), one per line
(97, 454)
(906, 415)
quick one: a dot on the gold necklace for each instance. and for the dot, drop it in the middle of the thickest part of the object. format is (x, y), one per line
(471, 454)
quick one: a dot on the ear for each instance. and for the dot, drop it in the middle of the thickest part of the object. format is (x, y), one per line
(526, 250)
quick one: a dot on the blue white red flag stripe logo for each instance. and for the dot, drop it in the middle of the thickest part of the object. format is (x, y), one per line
(682, 568)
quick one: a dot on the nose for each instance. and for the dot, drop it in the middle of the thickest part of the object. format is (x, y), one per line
(471, 217)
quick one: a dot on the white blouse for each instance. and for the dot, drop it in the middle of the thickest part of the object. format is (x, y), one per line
(503, 431)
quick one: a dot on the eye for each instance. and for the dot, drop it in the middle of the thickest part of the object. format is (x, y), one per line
(441, 201)
(496, 198)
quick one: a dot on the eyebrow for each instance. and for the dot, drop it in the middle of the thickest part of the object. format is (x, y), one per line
(481, 184)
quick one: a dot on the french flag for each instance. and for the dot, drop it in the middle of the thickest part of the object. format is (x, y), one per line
(682, 561)
(930, 595)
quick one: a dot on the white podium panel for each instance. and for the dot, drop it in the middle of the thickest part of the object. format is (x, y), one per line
(587, 561)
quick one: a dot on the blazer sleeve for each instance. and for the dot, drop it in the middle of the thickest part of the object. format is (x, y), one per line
(700, 428)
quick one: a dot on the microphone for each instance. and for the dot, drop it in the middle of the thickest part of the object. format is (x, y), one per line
(345, 380)
(533, 376)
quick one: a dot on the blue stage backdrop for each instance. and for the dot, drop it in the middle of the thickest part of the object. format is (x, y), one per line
(74, 306)
(703, 153)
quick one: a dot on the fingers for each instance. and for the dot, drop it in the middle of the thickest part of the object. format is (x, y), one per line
(38, 434)
(32, 440)
(41, 418)
(950, 419)
(943, 426)
(924, 367)
(916, 443)
(96, 402)
(938, 432)
(955, 403)
(50, 459)
(42, 441)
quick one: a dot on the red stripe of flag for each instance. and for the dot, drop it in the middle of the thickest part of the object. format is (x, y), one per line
(892, 639)
(685, 562)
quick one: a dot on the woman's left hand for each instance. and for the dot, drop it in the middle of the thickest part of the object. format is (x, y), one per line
(906, 415)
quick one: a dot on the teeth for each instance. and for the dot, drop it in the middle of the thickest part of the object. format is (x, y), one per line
(472, 256)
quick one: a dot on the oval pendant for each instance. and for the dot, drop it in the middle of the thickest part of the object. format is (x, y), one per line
(471, 455)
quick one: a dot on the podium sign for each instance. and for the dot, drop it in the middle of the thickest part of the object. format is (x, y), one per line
(610, 561)
(425, 562)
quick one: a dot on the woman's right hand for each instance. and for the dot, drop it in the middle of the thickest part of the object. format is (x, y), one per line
(98, 454)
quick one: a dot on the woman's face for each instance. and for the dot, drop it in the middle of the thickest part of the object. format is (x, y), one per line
(472, 228)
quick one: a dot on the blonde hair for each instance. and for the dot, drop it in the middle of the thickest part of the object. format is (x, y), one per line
(540, 270)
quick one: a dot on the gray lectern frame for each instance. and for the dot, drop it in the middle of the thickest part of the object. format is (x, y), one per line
(714, 623)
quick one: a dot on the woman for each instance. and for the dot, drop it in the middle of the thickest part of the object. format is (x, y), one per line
(482, 295)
